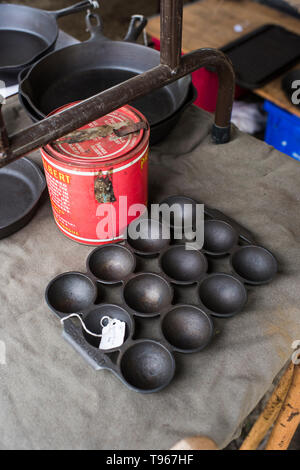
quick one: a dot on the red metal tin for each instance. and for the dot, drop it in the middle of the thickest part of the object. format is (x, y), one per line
(97, 181)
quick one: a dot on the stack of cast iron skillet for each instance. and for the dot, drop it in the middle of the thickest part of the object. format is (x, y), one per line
(85, 69)
(27, 34)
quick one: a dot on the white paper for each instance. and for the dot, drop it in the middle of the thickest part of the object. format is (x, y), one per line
(113, 334)
(7, 91)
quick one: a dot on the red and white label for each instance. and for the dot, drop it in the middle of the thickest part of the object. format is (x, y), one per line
(79, 214)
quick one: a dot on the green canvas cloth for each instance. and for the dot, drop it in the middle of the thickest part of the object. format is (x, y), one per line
(50, 398)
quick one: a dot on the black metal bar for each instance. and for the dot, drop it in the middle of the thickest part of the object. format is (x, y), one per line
(58, 125)
(171, 32)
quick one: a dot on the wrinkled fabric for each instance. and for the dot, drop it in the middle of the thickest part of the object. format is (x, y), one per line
(50, 398)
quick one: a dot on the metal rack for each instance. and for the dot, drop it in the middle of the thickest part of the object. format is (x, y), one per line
(172, 67)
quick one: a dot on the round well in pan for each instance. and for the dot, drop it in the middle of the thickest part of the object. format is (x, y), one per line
(187, 328)
(93, 321)
(223, 294)
(152, 236)
(183, 265)
(219, 237)
(71, 292)
(147, 366)
(184, 214)
(111, 263)
(148, 294)
(255, 264)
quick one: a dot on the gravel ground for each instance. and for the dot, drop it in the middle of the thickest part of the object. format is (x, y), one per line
(115, 15)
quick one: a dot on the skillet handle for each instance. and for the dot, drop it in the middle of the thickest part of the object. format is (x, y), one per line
(74, 8)
(136, 27)
(96, 29)
(96, 358)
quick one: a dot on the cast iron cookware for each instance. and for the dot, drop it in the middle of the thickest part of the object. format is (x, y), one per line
(158, 132)
(262, 54)
(82, 70)
(26, 34)
(21, 186)
(159, 278)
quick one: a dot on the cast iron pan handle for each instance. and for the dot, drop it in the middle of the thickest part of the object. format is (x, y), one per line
(136, 27)
(95, 27)
(74, 8)
(96, 358)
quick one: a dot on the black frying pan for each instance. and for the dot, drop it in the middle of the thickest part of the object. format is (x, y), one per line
(158, 132)
(82, 70)
(21, 187)
(26, 33)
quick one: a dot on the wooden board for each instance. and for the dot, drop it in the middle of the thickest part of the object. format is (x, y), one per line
(210, 23)
(273, 92)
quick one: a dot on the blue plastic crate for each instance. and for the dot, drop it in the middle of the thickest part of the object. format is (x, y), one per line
(283, 130)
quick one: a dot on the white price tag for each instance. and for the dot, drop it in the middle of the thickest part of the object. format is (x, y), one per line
(113, 334)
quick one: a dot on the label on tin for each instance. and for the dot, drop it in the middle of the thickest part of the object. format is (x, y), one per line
(98, 139)
(93, 206)
(97, 176)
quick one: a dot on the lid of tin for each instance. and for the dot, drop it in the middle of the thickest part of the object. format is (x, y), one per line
(102, 139)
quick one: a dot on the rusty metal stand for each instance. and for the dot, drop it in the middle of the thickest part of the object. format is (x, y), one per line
(171, 68)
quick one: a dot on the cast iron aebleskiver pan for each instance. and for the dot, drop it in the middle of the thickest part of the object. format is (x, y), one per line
(147, 365)
(82, 70)
(21, 186)
(144, 365)
(26, 34)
